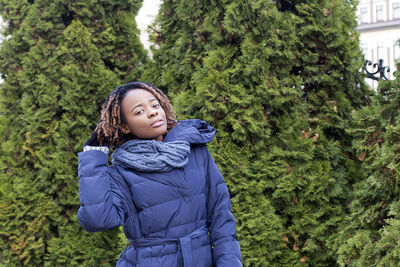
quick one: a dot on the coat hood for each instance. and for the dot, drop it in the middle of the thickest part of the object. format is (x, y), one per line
(194, 131)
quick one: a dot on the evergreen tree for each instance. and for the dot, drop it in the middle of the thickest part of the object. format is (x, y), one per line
(279, 81)
(59, 64)
(370, 235)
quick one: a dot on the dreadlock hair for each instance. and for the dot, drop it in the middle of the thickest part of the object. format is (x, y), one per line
(109, 128)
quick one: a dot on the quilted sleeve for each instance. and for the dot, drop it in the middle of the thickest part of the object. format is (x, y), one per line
(221, 224)
(102, 204)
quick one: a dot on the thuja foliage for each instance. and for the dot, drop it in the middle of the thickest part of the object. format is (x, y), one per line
(60, 61)
(279, 80)
(370, 236)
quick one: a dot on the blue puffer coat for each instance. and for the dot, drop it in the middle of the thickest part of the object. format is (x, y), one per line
(177, 218)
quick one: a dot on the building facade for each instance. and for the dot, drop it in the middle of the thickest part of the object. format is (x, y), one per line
(379, 28)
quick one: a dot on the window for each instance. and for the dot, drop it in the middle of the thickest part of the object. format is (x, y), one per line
(379, 13)
(396, 50)
(365, 51)
(380, 50)
(364, 15)
(396, 10)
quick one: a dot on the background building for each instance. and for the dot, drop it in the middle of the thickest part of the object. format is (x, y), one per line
(145, 17)
(379, 28)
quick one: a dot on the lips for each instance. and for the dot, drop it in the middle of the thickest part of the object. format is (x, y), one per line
(157, 123)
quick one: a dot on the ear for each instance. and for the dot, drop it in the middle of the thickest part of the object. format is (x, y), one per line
(125, 129)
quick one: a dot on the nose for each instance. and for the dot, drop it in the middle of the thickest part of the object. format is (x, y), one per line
(153, 113)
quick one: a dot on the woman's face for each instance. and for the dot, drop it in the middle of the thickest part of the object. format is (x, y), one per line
(143, 115)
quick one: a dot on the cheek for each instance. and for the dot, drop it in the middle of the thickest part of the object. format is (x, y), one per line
(136, 124)
(133, 125)
(163, 113)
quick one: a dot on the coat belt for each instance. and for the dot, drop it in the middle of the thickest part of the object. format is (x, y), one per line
(184, 243)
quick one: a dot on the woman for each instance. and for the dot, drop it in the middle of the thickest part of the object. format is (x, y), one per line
(163, 185)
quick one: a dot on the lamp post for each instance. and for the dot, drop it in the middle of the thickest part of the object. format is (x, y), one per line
(381, 70)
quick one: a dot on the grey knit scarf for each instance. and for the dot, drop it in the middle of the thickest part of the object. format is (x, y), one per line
(152, 155)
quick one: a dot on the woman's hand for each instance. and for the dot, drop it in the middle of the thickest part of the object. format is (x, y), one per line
(92, 141)
(93, 144)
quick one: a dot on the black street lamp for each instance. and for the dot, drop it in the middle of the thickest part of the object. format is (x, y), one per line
(381, 70)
